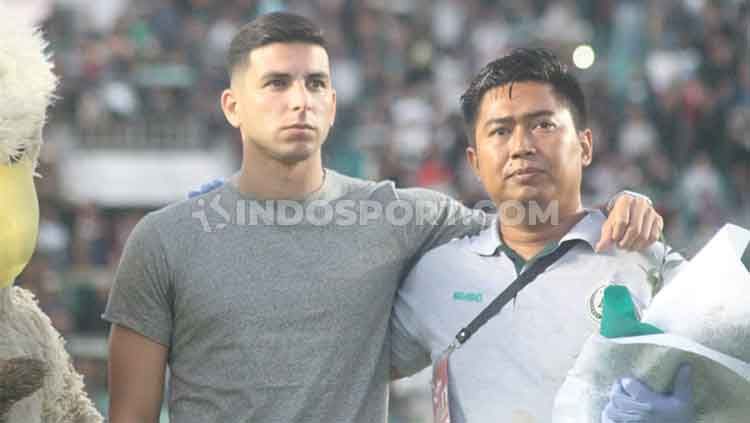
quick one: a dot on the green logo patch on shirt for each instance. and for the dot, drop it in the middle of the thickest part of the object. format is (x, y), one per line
(468, 296)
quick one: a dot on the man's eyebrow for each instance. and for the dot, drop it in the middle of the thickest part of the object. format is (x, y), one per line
(284, 75)
(318, 75)
(276, 75)
(526, 116)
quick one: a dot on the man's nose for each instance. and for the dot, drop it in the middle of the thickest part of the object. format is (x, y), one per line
(522, 143)
(299, 96)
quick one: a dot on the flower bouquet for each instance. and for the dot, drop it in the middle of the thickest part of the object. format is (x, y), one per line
(701, 317)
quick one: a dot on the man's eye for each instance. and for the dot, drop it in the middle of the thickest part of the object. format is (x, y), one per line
(317, 84)
(547, 125)
(276, 83)
(499, 131)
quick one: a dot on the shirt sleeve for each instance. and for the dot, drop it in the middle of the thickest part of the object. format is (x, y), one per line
(141, 297)
(437, 219)
(408, 354)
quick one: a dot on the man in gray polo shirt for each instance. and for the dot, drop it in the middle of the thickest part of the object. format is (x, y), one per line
(526, 120)
(269, 298)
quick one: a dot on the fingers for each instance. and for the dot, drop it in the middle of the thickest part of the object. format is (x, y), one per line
(628, 405)
(683, 386)
(611, 414)
(620, 217)
(605, 238)
(621, 408)
(636, 224)
(216, 183)
(650, 223)
(206, 188)
(636, 389)
(634, 232)
(633, 224)
(211, 185)
(657, 229)
(631, 400)
(617, 221)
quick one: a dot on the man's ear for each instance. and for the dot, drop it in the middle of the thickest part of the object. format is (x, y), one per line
(333, 118)
(587, 147)
(230, 107)
(473, 158)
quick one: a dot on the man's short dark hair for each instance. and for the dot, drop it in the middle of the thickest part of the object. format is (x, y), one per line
(524, 65)
(277, 27)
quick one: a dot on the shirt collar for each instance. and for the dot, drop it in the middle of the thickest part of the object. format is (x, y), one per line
(487, 241)
(587, 229)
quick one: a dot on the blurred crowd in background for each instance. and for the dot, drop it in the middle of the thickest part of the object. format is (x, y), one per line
(668, 93)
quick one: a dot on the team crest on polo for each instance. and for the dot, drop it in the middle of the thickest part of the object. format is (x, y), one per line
(595, 304)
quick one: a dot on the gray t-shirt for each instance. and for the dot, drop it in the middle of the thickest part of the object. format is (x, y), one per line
(278, 311)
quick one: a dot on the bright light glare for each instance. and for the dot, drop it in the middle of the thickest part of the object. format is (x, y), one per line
(583, 56)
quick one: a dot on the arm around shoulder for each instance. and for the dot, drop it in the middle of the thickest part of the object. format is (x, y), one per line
(436, 218)
(137, 366)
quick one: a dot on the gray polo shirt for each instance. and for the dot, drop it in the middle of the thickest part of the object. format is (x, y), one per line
(273, 316)
(512, 367)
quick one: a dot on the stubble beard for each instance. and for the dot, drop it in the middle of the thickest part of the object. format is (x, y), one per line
(291, 156)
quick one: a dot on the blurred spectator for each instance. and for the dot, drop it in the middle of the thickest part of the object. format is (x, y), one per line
(54, 236)
(434, 172)
(703, 185)
(638, 137)
(90, 243)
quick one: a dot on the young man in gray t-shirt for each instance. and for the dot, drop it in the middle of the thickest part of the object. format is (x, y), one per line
(272, 322)
(269, 298)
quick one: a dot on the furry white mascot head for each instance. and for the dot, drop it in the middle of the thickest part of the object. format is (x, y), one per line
(26, 90)
(38, 383)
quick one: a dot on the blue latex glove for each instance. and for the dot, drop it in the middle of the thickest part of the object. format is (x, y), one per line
(216, 183)
(632, 401)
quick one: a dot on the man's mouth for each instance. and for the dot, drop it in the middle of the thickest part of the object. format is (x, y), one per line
(524, 171)
(300, 127)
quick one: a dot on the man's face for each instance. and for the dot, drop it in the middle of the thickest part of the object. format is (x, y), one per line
(527, 147)
(282, 101)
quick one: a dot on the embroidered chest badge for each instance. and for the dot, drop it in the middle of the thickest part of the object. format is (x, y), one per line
(475, 297)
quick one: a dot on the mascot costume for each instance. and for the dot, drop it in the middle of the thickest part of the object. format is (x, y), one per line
(38, 383)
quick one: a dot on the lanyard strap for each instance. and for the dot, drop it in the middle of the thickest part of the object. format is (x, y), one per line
(510, 292)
